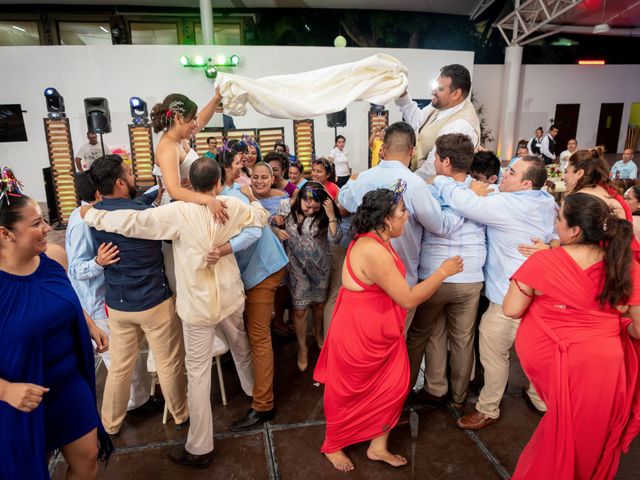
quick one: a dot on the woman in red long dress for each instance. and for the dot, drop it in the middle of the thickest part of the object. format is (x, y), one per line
(578, 351)
(364, 363)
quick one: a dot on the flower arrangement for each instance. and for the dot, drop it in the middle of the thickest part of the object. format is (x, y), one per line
(554, 170)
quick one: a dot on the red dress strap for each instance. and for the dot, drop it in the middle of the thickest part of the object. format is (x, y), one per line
(635, 245)
(396, 259)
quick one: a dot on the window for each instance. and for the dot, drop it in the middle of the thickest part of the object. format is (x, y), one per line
(154, 34)
(84, 33)
(19, 33)
(224, 33)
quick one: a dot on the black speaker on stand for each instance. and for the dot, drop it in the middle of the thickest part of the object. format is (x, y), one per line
(98, 117)
(337, 119)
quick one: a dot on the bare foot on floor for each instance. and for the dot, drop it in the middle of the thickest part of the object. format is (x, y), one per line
(340, 461)
(386, 456)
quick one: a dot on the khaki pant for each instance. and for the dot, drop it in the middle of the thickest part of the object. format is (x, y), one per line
(338, 254)
(164, 334)
(257, 314)
(450, 314)
(198, 345)
(139, 394)
(497, 333)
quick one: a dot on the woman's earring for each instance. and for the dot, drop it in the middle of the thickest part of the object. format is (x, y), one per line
(390, 227)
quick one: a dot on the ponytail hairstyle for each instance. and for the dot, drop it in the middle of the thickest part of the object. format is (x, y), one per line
(163, 114)
(614, 235)
(596, 170)
(12, 201)
(312, 191)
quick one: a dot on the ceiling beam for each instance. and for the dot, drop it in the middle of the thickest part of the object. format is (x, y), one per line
(531, 16)
(480, 8)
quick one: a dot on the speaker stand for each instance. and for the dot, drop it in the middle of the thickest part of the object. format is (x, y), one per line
(102, 144)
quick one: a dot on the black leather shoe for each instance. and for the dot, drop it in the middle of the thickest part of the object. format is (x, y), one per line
(183, 425)
(181, 456)
(422, 397)
(252, 419)
(154, 404)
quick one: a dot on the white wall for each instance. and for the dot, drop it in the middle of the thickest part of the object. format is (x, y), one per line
(151, 72)
(544, 86)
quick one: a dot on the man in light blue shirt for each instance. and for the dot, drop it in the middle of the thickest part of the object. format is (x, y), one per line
(513, 216)
(424, 210)
(86, 273)
(450, 313)
(625, 168)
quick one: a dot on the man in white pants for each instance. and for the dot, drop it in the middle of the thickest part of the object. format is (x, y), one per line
(513, 216)
(208, 296)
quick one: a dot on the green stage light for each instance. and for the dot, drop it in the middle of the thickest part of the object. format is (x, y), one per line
(184, 60)
(211, 71)
(221, 60)
(235, 60)
(199, 61)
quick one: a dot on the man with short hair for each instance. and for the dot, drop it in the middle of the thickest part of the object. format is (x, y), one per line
(208, 297)
(519, 211)
(86, 273)
(572, 146)
(625, 168)
(548, 145)
(140, 303)
(424, 210)
(89, 152)
(451, 111)
(485, 167)
(448, 317)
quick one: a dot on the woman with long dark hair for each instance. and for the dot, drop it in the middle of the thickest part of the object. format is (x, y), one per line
(310, 227)
(364, 363)
(47, 377)
(580, 354)
(177, 117)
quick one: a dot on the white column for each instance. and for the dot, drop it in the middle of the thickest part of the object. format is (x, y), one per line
(510, 102)
(206, 22)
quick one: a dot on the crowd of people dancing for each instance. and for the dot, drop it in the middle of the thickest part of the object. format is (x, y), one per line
(391, 264)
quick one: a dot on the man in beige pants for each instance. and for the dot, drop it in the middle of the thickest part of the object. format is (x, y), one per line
(209, 296)
(449, 316)
(140, 303)
(515, 214)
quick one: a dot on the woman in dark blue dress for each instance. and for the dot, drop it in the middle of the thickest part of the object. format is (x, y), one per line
(47, 378)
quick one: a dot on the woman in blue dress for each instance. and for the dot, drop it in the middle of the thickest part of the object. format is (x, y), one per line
(47, 377)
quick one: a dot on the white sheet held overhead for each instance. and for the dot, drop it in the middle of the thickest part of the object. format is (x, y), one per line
(377, 79)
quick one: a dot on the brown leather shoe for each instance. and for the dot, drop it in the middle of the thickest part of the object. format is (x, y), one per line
(475, 421)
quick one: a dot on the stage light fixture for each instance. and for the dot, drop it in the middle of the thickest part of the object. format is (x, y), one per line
(235, 60)
(221, 60)
(211, 71)
(198, 60)
(184, 60)
(55, 103)
(139, 112)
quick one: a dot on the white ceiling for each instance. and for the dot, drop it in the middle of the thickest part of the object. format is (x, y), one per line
(456, 7)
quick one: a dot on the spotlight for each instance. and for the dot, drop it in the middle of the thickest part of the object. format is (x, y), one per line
(221, 60)
(211, 71)
(199, 60)
(139, 112)
(184, 60)
(235, 60)
(55, 103)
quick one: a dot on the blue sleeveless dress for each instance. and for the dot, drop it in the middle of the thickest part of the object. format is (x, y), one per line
(44, 340)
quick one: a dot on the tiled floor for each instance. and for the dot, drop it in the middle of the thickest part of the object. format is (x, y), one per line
(288, 447)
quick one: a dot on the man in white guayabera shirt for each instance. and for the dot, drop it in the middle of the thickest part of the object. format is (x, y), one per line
(450, 111)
